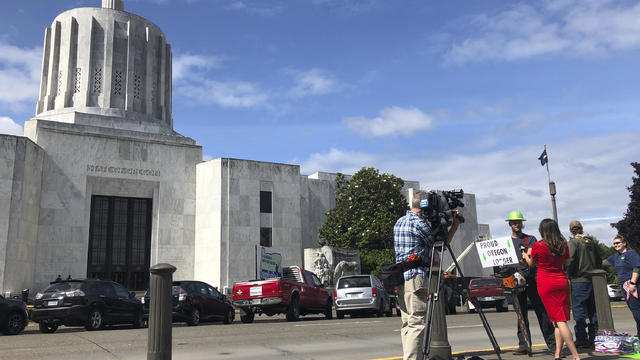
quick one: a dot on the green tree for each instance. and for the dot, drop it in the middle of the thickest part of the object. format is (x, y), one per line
(367, 207)
(629, 226)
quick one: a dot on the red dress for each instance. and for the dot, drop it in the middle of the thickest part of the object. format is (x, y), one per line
(553, 285)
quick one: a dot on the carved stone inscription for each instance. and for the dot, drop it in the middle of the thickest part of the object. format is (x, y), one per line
(122, 170)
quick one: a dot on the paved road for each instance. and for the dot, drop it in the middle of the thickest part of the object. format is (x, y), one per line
(269, 338)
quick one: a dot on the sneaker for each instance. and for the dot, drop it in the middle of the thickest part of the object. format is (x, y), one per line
(521, 351)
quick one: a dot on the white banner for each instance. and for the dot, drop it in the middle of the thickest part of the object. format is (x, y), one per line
(497, 252)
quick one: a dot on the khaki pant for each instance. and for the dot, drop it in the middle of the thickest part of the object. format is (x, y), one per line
(412, 299)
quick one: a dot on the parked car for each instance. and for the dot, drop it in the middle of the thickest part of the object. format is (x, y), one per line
(297, 292)
(615, 292)
(357, 294)
(489, 293)
(90, 303)
(13, 316)
(196, 301)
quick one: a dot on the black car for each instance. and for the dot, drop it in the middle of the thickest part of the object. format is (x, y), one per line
(195, 301)
(13, 316)
(85, 302)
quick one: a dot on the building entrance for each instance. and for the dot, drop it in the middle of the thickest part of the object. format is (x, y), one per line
(120, 240)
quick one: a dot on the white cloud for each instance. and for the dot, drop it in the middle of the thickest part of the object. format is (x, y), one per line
(9, 127)
(19, 74)
(523, 31)
(312, 82)
(336, 161)
(591, 176)
(392, 121)
(225, 94)
(189, 66)
(257, 7)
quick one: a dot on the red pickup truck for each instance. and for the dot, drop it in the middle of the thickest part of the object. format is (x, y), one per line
(297, 292)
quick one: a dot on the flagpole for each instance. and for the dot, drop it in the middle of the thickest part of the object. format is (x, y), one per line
(552, 188)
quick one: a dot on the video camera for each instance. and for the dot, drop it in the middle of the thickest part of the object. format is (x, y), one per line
(438, 208)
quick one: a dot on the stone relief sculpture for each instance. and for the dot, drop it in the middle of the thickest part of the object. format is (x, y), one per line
(346, 268)
(331, 263)
(322, 270)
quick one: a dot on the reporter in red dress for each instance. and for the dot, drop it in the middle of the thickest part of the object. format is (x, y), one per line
(550, 255)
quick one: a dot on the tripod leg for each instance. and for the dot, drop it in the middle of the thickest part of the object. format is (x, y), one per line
(432, 297)
(523, 326)
(487, 327)
(483, 318)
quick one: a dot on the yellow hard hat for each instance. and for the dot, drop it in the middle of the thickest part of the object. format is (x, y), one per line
(515, 215)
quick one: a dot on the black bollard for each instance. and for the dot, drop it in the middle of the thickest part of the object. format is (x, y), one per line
(160, 308)
(440, 347)
(603, 304)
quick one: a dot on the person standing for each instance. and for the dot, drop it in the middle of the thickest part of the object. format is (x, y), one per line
(412, 236)
(627, 265)
(583, 252)
(521, 240)
(550, 255)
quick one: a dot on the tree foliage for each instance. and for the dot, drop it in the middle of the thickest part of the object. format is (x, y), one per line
(367, 207)
(629, 226)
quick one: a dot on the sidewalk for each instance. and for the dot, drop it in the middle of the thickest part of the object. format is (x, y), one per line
(539, 352)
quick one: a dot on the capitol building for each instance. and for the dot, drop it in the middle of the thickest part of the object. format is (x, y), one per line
(101, 185)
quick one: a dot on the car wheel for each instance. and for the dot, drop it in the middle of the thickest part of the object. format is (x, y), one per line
(228, 317)
(15, 324)
(95, 320)
(293, 312)
(339, 314)
(47, 327)
(194, 320)
(328, 312)
(248, 318)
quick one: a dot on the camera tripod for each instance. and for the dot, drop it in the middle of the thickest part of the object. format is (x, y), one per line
(432, 297)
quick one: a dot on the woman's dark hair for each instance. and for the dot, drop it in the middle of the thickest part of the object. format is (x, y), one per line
(552, 236)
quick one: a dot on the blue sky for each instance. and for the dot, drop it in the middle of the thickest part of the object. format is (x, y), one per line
(456, 94)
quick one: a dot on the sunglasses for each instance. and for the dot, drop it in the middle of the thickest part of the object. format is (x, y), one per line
(617, 243)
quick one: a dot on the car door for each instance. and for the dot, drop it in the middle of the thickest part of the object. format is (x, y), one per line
(321, 300)
(217, 302)
(127, 306)
(105, 293)
(206, 307)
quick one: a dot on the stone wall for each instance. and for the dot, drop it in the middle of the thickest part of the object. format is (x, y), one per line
(20, 183)
(82, 161)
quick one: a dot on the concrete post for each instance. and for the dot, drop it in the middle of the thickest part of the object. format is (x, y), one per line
(160, 317)
(440, 347)
(603, 306)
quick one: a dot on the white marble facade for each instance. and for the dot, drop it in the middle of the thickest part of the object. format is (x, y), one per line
(103, 127)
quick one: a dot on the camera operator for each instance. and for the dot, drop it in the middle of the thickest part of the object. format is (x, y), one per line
(524, 242)
(412, 238)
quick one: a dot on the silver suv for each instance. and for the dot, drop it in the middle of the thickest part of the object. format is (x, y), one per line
(357, 294)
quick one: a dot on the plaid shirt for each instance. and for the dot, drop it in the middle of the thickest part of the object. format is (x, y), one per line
(412, 235)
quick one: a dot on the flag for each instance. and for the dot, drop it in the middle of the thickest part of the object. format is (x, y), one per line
(543, 157)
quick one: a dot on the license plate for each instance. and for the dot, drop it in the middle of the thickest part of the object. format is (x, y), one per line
(52, 303)
(255, 291)
(255, 301)
(354, 295)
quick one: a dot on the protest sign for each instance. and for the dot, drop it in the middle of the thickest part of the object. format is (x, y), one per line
(497, 252)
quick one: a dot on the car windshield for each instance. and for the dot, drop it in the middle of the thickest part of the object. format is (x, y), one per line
(64, 286)
(484, 282)
(354, 282)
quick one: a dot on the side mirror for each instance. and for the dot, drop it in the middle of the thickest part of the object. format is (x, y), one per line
(132, 294)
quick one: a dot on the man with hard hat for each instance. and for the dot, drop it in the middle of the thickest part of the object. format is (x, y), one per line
(584, 255)
(522, 242)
